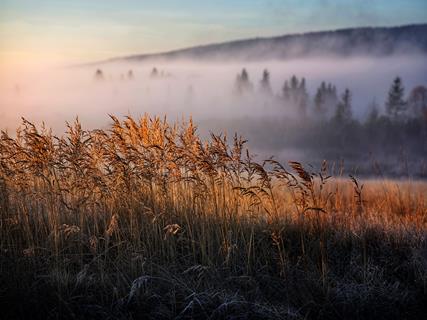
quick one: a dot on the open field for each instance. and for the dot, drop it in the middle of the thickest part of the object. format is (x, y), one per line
(145, 220)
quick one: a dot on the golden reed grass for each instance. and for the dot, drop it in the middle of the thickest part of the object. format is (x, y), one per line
(148, 193)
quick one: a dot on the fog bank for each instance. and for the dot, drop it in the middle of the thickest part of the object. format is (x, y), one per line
(205, 91)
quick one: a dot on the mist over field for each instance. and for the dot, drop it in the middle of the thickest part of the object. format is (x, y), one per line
(206, 92)
(202, 90)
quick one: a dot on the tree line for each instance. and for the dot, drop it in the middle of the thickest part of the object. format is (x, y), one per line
(328, 104)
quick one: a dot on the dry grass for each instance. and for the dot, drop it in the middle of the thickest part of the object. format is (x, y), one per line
(147, 220)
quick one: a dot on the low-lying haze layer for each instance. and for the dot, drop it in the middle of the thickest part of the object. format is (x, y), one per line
(203, 91)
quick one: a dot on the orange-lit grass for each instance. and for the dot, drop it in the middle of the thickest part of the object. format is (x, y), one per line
(147, 196)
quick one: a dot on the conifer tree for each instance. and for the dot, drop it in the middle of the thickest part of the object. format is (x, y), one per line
(130, 75)
(265, 82)
(396, 105)
(154, 73)
(303, 98)
(343, 112)
(243, 84)
(99, 75)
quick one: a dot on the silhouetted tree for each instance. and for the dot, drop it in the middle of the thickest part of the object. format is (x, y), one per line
(303, 98)
(243, 84)
(295, 94)
(265, 86)
(294, 83)
(325, 99)
(396, 105)
(319, 102)
(99, 75)
(290, 90)
(343, 111)
(130, 75)
(154, 73)
(244, 76)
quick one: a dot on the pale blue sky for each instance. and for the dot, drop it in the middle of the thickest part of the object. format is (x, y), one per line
(83, 30)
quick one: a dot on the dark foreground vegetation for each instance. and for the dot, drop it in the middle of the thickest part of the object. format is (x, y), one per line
(146, 221)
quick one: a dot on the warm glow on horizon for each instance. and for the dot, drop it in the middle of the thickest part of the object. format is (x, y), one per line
(47, 32)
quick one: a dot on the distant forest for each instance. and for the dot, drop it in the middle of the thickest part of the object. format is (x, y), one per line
(390, 140)
(324, 124)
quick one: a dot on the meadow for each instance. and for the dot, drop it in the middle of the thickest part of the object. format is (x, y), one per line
(146, 220)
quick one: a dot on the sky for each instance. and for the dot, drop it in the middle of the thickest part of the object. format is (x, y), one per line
(39, 32)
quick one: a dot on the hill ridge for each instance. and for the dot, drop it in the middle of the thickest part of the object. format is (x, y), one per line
(368, 40)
